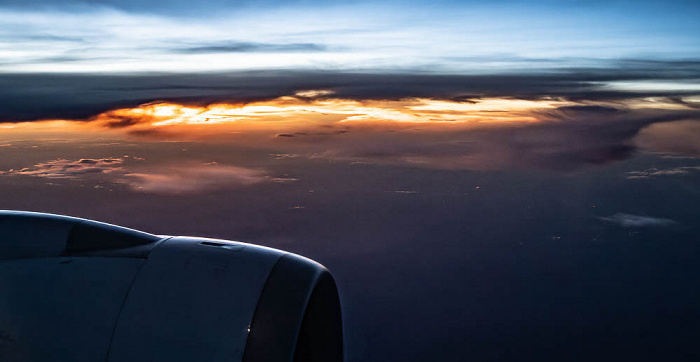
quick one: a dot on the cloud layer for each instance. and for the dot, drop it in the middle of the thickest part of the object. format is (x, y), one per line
(27, 97)
(475, 133)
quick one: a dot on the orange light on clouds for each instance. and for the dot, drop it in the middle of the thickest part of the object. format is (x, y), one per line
(287, 112)
(312, 113)
(51, 129)
(486, 133)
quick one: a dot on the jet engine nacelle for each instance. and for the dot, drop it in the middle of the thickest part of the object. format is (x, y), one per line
(78, 290)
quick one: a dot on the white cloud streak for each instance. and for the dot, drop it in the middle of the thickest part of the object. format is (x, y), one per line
(654, 172)
(637, 221)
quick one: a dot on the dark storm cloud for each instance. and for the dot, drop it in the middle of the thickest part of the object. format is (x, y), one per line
(248, 47)
(27, 97)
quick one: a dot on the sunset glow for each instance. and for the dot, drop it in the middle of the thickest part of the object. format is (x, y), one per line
(290, 114)
(487, 180)
(289, 110)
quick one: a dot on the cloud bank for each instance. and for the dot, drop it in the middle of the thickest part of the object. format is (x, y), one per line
(29, 97)
(475, 133)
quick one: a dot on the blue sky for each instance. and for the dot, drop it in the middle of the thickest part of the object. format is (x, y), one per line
(443, 37)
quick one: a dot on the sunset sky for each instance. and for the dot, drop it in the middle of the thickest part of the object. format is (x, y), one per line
(497, 180)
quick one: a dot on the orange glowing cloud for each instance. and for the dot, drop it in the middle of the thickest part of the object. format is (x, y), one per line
(286, 113)
(487, 133)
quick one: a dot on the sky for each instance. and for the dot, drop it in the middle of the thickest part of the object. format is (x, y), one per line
(501, 180)
(386, 36)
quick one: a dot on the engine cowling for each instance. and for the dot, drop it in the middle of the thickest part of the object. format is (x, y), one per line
(79, 290)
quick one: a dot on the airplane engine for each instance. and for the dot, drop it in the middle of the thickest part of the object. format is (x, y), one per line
(79, 290)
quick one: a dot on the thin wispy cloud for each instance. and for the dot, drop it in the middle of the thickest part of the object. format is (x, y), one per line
(637, 221)
(183, 177)
(654, 172)
(62, 168)
(195, 178)
(248, 47)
